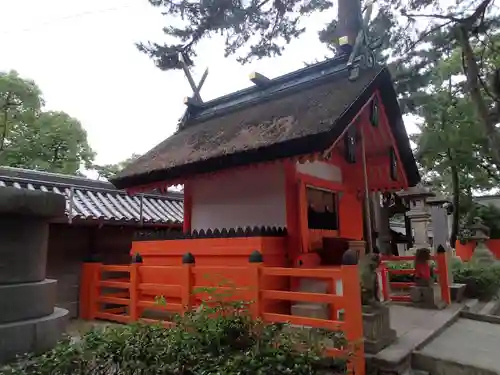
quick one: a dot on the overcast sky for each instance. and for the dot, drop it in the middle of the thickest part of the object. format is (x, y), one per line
(83, 57)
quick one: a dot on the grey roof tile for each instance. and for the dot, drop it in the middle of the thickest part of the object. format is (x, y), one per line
(88, 199)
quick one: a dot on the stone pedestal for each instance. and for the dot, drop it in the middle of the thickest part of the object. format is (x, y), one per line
(457, 292)
(312, 310)
(377, 328)
(428, 297)
(28, 320)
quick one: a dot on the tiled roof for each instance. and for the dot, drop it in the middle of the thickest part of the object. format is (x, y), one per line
(88, 199)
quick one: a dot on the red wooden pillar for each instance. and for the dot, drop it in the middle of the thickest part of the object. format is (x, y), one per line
(89, 290)
(255, 265)
(444, 282)
(188, 262)
(353, 320)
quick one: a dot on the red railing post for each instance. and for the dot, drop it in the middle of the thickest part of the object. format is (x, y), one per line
(384, 276)
(134, 288)
(443, 275)
(353, 318)
(188, 262)
(255, 264)
(89, 290)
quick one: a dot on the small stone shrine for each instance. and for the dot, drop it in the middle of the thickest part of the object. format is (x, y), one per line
(376, 319)
(29, 322)
(481, 233)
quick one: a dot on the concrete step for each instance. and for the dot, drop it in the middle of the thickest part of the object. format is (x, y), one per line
(397, 357)
(468, 347)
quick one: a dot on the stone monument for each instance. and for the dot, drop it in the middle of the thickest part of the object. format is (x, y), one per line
(419, 214)
(440, 231)
(481, 233)
(29, 322)
(376, 319)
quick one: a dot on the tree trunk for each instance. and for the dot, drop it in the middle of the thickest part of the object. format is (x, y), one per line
(455, 185)
(472, 73)
(5, 120)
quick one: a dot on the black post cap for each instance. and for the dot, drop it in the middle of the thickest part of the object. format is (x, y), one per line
(440, 249)
(93, 258)
(256, 257)
(188, 258)
(137, 258)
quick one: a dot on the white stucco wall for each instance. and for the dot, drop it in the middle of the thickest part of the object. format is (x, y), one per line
(321, 170)
(250, 197)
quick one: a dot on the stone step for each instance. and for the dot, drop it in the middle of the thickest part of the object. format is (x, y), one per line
(311, 310)
(34, 335)
(308, 285)
(415, 372)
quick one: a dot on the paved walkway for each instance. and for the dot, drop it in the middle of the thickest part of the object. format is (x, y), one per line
(405, 319)
(414, 328)
(469, 343)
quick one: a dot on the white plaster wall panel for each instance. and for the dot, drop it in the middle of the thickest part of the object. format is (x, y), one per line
(251, 197)
(321, 170)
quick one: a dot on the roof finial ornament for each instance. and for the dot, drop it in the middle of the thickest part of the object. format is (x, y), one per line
(361, 49)
(195, 100)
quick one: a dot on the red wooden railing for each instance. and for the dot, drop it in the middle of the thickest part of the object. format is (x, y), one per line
(136, 291)
(441, 271)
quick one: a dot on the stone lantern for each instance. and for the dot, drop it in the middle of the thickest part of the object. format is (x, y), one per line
(419, 213)
(481, 233)
(29, 322)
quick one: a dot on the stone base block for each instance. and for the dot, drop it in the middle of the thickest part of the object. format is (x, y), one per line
(35, 335)
(457, 292)
(311, 310)
(377, 329)
(428, 297)
(72, 308)
(27, 301)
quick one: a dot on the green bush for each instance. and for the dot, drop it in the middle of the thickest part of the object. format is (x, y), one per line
(218, 339)
(405, 266)
(482, 282)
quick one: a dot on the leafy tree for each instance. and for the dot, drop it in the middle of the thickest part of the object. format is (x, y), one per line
(109, 170)
(54, 142)
(30, 138)
(20, 103)
(414, 34)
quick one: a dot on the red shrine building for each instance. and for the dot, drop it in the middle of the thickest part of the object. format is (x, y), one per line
(286, 167)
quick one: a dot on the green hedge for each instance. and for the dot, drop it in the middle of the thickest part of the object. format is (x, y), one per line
(482, 282)
(405, 266)
(218, 340)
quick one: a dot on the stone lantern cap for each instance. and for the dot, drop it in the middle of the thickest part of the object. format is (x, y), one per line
(31, 203)
(481, 231)
(417, 191)
(438, 200)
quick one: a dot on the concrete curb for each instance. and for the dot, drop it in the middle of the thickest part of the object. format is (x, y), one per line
(493, 319)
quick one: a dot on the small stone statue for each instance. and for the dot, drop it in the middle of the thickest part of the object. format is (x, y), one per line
(422, 267)
(369, 280)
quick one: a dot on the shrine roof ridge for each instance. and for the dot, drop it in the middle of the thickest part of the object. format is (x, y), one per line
(285, 84)
(301, 113)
